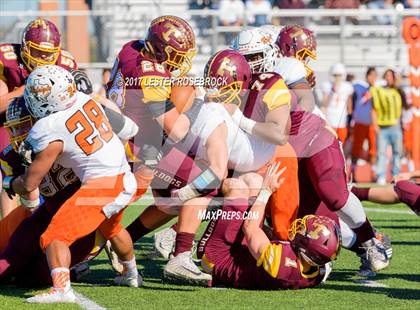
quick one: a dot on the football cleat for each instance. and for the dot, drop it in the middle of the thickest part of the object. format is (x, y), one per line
(376, 254)
(113, 258)
(181, 269)
(130, 280)
(78, 272)
(165, 241)
(53, 296)
(365, 270)
(386, 242)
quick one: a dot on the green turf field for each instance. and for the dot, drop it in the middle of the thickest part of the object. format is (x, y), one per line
(398, 287)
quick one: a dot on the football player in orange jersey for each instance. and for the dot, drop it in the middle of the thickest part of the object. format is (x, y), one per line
(40, 46)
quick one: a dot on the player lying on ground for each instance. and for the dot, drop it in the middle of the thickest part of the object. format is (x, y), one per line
(40, 46)
(238, 253)
(321, 162)
(403, 190)
(72, 129)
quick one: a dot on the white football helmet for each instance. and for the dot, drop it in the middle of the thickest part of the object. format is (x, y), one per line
(259, 49)
(49, 89)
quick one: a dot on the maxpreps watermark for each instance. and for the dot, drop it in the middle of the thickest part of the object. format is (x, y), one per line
(207, 82)
(205, 215)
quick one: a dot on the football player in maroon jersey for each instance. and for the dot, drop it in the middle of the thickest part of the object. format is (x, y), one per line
(40, 46)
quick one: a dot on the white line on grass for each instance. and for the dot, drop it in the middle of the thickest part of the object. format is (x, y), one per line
(86, 303)
(370, 283)
(390, 211)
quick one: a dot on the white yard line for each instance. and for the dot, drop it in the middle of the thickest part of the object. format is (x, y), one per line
(86, 303)
(370, 283)
(379, 210)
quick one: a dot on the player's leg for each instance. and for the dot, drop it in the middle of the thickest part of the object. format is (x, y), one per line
(78, 217)
(403, 191)
(372, 144)
(327, 171)
(181, 265)
(397, 149)
(381, 166)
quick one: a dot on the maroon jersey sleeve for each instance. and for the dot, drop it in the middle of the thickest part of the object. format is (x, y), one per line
(12, 70)
(66, 60)
(267, 92)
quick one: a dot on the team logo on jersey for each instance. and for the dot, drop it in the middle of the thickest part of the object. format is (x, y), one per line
(288, 262)
(40, 91)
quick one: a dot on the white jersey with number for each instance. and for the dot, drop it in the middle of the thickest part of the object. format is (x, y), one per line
(90, 147)
(246, 152)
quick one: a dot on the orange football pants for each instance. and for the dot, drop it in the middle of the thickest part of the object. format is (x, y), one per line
(284, 203)
(342, 134)
(82, 213)
(9, 224)
(362, 132)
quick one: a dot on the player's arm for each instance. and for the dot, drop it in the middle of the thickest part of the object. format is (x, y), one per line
(156, 95)
(211, 178)
(29, 182)
(256, 238)
(305, 96)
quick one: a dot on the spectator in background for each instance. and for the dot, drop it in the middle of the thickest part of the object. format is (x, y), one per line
(291, 4)
(231, 13)
(258, 12)
(381, 4)
(407, 121)
(362, 119)
(386, 115)
(341, 4)
(412, 4)
(336, 104)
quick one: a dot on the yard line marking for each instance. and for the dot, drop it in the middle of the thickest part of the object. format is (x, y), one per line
(390, 211)
(370, 283)
(86, 303)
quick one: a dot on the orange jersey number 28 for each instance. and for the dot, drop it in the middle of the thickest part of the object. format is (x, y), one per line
(88, 139)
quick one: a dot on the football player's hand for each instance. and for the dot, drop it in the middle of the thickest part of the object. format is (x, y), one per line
(272, 180)
(83, 83)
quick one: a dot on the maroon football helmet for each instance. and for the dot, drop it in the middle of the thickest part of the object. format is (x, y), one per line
(40, 43)
(227, 75)
(316, 238)
(299, 42)
(18, 121)
(170, 39)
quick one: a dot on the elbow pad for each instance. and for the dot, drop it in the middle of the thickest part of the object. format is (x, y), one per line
(129, 129)
(122, 125)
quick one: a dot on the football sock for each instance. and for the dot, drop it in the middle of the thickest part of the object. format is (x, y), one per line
(349, 239)
(61, 279)
(183, 243)
(354, 215)
(130, 266)
(361, 193)
(137, 230)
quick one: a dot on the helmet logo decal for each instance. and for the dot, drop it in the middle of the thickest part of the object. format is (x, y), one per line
(40, 91)
(227, 65)
(266, 39)
(39, 23)
(320, 228)
(172, 29)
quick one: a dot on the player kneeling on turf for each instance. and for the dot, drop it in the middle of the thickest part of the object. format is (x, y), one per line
(72, 130)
